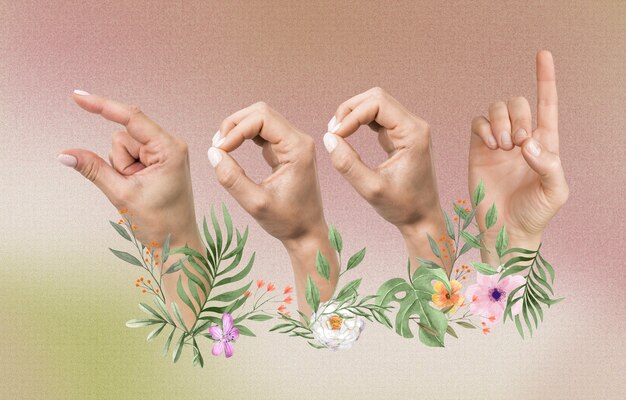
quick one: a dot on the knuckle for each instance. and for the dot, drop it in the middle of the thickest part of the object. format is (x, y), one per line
(134, 110)
(258, 205)
(375, 190)
(518, 100)
(377, 92)
(117, 138)
(344, 162)
(262, 107)
(228, 178)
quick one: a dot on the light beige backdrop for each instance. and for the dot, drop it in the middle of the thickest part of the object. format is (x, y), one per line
(64, 298)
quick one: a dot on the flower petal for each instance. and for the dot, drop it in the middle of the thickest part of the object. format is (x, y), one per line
(455, 285)
(218, 347)
(228, 349)
(487, 280)
(440, 288)
(233, 334)
(227, 322)
(216, 332)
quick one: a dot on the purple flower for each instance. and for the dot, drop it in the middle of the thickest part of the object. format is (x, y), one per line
(228, 333)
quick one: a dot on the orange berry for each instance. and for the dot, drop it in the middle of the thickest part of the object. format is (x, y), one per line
(146, 259)
(456, 218)
(149, 281)
(143, 291)
(445, 256)
(467, 209)
(457, 270)
(135, 227)
(459, 201)
(157, 290)
(156, 263)
(136, 284)
(464, 277)
(157, 256)
(141, 279)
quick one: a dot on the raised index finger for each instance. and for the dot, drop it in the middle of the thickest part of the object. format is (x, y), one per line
(138, 125)
(547, 100)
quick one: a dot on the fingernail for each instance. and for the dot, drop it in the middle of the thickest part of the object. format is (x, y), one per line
(520, 135)
(214, 156)
(330, 142)
(335, 128)
(533, 147)
(81, 92)
(491, 141)
(505, 137)
(219, 142)
(67, 160)
(216, 138)
(331, 123)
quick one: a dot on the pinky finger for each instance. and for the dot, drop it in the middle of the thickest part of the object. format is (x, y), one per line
(482, 128)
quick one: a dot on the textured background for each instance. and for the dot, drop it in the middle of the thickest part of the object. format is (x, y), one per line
(64, 298)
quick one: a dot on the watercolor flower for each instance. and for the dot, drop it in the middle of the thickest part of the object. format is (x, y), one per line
(288, 290)
(443, 299)
(336, 329)
(488, 296)
(224, 336)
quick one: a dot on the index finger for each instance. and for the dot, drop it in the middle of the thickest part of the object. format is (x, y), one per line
(138, 125)
(547, 100)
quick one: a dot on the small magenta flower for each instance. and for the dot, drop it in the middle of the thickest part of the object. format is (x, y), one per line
(224, 336)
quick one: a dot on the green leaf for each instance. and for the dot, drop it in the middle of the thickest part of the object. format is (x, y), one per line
(471, 239)
(178, 316)
(260, 317)
(439, 274)
(513, 270)
(201, 271)
(138, 323)
(149, 310)
(209, 239)
(449, 225)
(312, 294)
(280, 326)
(469, 218)
(218, 232)
(335, 239)
(479, 194)
(119, 229)
(350, 289)
(315, 345)
(193, 278)
(502, 241)
(466, 247)
(240, 245)
(179, 348)
(518, 250)
(427, 263)
(483, 268)
(155, 333)
(322, 266)
(460, 211)
(516, 260)
(235, 305)
(450, 331)
(526, 319)
(232, 295)
(356, 259)
(415, 300)
(228, 222)
(232, 265)
(492, 216)
(197, 355)
(176, 266)
(244, 330)
(188, 251)
(168, 342)
(165, 253)
(163, 308)
(183, 296)
(548, 267)
(433, 246)
(466, 325)
(124, 256)
(239, 276)
(193, 288)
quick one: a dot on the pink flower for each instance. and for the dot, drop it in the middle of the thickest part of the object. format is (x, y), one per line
(228, 333)
(488, 296)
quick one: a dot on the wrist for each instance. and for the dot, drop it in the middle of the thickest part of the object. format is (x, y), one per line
(515, 239)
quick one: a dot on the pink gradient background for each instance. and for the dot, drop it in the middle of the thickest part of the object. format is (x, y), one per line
(191, 64)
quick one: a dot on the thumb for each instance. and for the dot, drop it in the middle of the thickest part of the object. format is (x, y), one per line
(548, 166)
(94, 168)
(250, 195)
(347, 161)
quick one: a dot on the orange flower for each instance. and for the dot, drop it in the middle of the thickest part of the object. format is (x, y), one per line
(444, 299)
(270, 286)
(260, 283)
(288, 300)
(288, 290)
(486, 330)
(282, 308)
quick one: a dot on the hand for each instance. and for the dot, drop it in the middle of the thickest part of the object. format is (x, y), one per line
(288, 203)
(403, 189)
(522, 173)
(149, 176)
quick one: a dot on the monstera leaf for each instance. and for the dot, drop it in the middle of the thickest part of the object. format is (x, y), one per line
(413, 299)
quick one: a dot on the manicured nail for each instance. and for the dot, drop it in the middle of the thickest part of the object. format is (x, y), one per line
(505, 137)
(214, 156)
(520, 135)
(331, 123)
(491, 141)
(67, 160)
(330, 142)
(335, 128)
(533, 147)
(220, 142)
(216, 138)
(81, 92)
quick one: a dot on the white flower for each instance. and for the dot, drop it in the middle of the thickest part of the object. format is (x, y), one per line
(336, 329)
